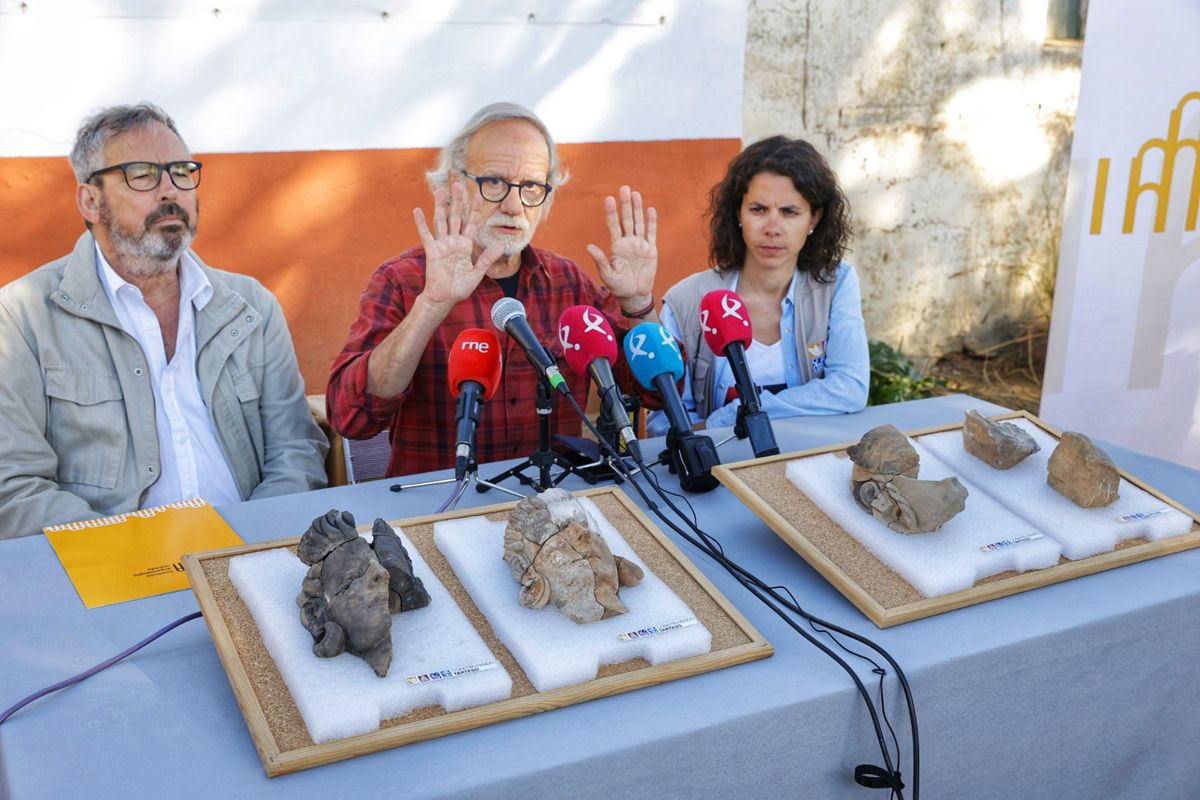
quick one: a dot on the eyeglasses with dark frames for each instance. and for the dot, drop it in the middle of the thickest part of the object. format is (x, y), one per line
(145, 176)
(494, 189)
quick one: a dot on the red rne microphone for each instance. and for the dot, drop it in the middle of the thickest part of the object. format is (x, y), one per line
(728, 332)
(474, 369)
(590, 347)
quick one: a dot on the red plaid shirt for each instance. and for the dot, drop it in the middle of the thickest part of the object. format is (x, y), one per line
(421, 418)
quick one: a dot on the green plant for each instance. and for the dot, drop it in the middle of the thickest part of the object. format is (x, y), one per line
(894, 378)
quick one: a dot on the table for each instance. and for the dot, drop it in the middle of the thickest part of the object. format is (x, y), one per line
(1082, 689)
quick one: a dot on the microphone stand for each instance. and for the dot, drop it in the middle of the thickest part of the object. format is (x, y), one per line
(481, 484)
(756, 426)
(542, 459)
(752, 422)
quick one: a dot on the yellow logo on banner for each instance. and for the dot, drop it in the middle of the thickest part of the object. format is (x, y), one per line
(1170, 147)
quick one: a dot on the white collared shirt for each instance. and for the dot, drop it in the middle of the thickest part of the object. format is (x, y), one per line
(191, 462)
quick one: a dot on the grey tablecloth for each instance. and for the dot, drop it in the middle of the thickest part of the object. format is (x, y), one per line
(1079, 690)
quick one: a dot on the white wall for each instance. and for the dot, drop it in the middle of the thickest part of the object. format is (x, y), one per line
(311, 75)
(949, 124)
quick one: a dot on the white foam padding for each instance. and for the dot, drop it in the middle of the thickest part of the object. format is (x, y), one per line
(984, 539)
(553, 650)
(435, 647)
(1082, 532)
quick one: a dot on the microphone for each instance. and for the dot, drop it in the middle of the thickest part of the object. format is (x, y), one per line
(590, 346)
(726, 326)
(474, 369)
(508, 314)
(657, 363)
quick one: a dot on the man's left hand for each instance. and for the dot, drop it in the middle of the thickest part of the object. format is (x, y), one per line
(630, 269)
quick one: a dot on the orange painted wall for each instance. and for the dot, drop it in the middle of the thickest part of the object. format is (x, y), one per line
(313, 226)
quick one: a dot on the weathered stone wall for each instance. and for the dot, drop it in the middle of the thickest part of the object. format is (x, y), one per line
(949, 125)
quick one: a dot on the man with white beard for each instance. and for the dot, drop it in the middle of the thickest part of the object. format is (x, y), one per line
(133, 373)
(494, 183)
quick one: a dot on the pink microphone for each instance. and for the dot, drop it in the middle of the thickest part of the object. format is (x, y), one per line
(728, 332)
(590, 347)
(724, 319)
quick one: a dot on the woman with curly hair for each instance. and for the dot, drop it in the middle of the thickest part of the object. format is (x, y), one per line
(779, 226)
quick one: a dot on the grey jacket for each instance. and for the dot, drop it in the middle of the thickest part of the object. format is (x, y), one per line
(812, 301)
(77, 431)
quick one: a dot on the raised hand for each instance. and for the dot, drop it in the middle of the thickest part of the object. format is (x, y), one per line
(630, 268)
(450, 275)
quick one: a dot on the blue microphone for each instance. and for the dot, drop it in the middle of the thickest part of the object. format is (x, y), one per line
(656, 360)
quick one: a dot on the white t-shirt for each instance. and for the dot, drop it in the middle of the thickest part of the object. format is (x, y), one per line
(766, 362)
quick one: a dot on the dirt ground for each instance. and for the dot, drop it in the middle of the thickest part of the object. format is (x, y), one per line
(1009, 375)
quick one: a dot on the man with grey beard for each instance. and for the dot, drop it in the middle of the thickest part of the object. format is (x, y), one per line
(494, 184)
(134, 374)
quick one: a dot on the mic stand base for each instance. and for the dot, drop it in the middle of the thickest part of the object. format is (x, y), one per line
(542, 459)
(691, 457)
(472, 477)
(758, 427)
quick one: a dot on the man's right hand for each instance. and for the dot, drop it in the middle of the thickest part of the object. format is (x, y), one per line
(450, 275)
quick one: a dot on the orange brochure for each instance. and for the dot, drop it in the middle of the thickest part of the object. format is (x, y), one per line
(127, 556)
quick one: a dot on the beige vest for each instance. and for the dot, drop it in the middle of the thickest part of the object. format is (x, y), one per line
(812, 299)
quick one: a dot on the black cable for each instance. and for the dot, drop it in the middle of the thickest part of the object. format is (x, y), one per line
(874, 777)
(99, 667)
(865, 774)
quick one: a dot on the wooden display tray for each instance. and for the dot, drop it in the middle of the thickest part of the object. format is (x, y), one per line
(279, 733)
(877, 591)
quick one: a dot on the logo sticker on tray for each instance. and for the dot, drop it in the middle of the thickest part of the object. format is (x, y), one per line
(1003, 543)
(1140, 515)
(443, 674)
(654, 630)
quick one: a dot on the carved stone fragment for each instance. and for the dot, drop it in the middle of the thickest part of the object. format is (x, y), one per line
(1001, 444)
(347, 595)
(558, 558)
(882, 454)
(909, 505)
(884, 482)
(405, 590)
(1082, 472)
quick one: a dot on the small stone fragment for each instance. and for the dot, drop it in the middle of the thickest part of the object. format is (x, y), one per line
(405, 590)
(909, 505)
(558, 559)
(1001, 444)
(880, 455)
(884, 482)
(1082, 472)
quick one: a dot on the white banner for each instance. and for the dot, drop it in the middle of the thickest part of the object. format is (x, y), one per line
(1124, 353)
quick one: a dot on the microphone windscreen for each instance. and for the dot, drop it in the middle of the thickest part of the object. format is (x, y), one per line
(651, 351)
(475, 356)
(585, 335)
(505, 309)
(724, 319)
